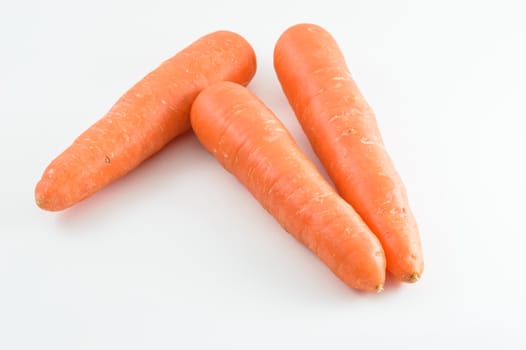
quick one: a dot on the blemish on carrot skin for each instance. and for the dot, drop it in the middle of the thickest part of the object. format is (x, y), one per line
(335, 117)
(107, 160)
(367, 141)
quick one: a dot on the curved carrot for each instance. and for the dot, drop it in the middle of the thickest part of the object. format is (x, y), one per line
(144, 119)
(343, 131)
(251, 143)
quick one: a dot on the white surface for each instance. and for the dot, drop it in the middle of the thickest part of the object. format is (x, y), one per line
(178, 255)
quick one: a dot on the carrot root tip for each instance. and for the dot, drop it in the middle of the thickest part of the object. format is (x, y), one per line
(412, 278)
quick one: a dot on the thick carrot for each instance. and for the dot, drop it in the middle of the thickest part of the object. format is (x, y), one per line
(343, 131)
(251, 143)
(144, 119)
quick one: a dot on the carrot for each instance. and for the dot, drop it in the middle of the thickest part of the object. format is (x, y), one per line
(343, 131)
(251, 143)
(144, 119)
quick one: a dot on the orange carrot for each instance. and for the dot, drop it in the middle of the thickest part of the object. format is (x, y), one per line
(343, 131)
(144, 119)
(251, 143)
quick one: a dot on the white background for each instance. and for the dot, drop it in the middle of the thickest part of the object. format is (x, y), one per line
(177, 254)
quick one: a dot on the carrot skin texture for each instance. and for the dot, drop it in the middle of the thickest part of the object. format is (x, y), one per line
(252, 144)
(343, 132)
(150, 114)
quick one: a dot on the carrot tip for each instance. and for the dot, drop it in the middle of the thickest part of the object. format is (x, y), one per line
(379, 288)
(412, 278)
